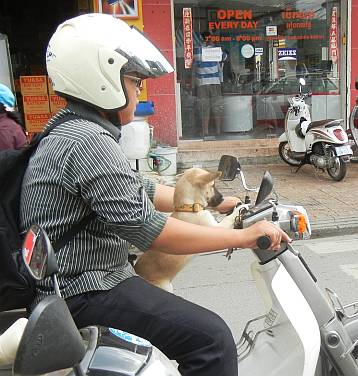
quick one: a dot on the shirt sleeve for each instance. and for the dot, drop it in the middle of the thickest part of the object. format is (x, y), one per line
(148, 184)
(99, 171)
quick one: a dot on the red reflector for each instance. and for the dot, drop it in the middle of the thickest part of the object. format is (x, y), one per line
(339, 134)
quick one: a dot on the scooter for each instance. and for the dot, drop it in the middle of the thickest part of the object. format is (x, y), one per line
(323, 144)
(304, 331)
(50, 341)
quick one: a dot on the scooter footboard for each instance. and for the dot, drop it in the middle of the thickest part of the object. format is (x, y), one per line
(288, 340)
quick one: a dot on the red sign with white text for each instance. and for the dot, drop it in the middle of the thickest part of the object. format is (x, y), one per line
(188, 37)
(333, 36)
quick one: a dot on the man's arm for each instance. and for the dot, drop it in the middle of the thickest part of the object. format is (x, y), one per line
(179, 237)
(163, 198)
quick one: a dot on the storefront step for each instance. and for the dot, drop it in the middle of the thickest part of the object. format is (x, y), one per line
(206, 154)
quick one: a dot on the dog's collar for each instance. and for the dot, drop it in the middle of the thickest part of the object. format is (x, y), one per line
(190, 208)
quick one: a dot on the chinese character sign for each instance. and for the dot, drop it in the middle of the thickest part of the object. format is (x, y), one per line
(188, 37)
(333, 36)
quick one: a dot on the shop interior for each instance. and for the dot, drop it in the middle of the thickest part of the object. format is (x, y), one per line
(255, 80)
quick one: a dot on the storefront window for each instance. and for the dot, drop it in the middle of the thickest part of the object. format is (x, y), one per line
(237, 63)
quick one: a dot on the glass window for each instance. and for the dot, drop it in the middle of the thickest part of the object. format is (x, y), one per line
(238, 61)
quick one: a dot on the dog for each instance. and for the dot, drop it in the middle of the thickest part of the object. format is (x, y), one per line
(195, 192)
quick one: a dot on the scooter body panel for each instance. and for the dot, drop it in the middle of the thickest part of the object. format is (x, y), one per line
(283, 137)
(325, 135)
(118, 352)
(297, 144)
(291, 343)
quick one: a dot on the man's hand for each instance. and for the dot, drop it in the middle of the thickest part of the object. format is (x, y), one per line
(265, 228)
(227, 205)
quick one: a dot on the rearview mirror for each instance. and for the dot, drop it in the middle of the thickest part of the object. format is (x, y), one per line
(265, 188)
(302, 81)
(38, 254)
(228, 166)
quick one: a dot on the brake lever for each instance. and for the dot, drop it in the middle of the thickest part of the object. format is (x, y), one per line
(237, 224)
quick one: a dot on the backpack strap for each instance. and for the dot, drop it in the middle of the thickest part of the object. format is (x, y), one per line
(56, 122)
(73, 231)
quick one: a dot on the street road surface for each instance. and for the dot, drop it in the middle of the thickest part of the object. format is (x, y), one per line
(227, 287)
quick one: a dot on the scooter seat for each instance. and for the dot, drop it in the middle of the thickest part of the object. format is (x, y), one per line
(324, 123)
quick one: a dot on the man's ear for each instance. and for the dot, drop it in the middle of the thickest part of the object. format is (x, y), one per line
(208, 177)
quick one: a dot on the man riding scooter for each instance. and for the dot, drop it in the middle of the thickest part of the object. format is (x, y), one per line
(97, 63)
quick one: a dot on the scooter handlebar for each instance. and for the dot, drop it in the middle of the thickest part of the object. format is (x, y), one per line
(264, 242)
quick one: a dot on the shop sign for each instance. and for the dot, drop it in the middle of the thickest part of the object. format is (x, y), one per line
(211, 54)
(287, 54)
(271, 30)
(247, 51)
(188, 37)
(231, 19)
(333, 36)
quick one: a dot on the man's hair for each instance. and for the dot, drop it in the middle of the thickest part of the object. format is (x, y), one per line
(205, 34)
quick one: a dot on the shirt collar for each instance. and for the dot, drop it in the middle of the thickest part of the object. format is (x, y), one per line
(93, 115)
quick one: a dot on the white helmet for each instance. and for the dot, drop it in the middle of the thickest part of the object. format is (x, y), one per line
(88, 56)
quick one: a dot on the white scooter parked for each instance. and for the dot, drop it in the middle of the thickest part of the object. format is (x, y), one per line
(303, 332)
(323, 144)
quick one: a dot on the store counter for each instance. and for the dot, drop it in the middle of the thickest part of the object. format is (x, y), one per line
(237, 113)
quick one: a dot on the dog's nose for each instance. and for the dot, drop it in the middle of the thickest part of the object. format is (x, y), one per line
(216, 200)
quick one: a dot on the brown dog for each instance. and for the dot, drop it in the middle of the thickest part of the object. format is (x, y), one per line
(195, 191)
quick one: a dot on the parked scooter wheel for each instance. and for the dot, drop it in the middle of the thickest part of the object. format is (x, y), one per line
(284, 151)
(338, 171)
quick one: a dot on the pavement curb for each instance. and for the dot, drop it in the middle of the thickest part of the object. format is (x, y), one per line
(334, 227)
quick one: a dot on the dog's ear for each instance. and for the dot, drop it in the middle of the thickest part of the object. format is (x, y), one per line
(208, 177)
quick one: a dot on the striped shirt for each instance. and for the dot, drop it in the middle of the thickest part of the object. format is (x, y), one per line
(78, 168)
(206, 72)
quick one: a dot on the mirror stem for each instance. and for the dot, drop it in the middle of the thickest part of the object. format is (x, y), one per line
(244, 183)
(55, 283)
(78, 371)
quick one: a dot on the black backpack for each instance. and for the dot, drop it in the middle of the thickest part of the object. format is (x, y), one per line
(17, 288)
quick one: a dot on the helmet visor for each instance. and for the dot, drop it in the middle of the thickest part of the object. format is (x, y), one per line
(144, 59)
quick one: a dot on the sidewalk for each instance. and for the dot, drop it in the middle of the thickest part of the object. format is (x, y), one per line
(332, 206)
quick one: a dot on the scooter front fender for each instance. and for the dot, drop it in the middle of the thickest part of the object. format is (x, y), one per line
(283, 137)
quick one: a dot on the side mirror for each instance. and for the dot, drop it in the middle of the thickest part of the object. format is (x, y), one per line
(265, 188)
(228, 166)
(356, 83)
(38, 254)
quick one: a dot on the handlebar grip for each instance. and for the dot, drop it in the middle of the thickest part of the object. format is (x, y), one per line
(263, 242)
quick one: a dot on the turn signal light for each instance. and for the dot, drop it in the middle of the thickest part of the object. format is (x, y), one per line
(339, 134)
(298, 223)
